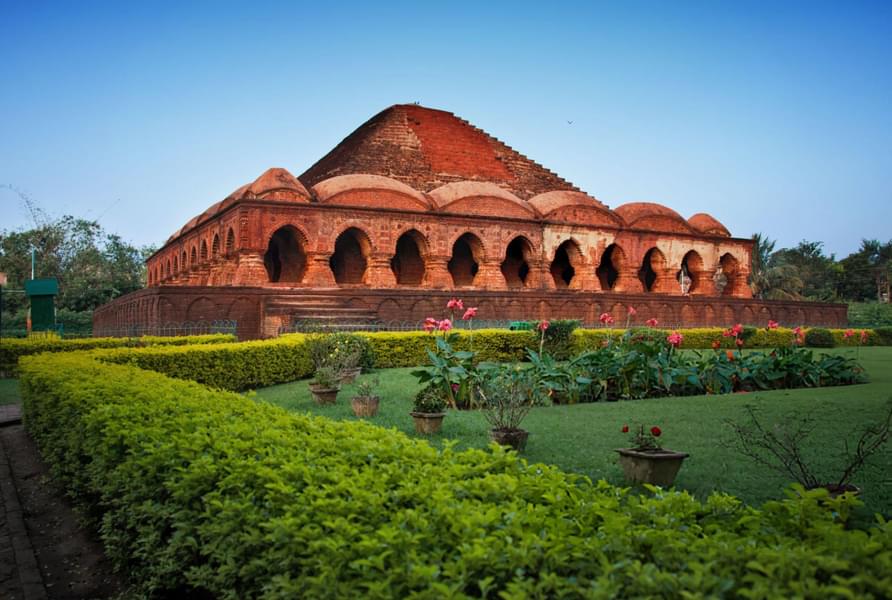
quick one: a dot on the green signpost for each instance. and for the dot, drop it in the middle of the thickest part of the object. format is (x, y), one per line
(42, 293)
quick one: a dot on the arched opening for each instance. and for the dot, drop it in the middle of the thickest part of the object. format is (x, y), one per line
(285, 259)
(176, 268)
(350, 258)
(516, 266)
(407, 263)
(204, 250)
(230, 241)
(562, 267)
(182, 262)
(688, 275)
(608, 270)
(194, 257)
(167, 270)
(215, 246)
(652, 264)
(726, 283)
(467, 252)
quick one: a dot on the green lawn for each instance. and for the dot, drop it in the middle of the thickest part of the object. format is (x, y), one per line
(9, 391)
(582, 438)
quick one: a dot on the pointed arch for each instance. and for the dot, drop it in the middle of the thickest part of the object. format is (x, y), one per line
(730, 270)
(350, 259)
(689, 274)
(565, 264)
(652, 267)
(613, 261)
(230, 241)
(285, 259)
(193, 257)
(215, 246)
(516, 266)
(183, 261)
(176, 267)
(204, 251)
(467, 254)
(408, 263)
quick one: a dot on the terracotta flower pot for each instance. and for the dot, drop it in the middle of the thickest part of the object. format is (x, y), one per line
(658, 467)
(427, 423)
(516, 438)
(350, 375)
(365, 406)
(324, 395)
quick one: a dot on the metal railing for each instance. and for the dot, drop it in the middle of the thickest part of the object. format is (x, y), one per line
(170, 329)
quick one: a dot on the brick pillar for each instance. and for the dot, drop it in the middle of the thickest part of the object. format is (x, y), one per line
(705, 283)
(627, 281)
(490, 276)
(666, 282)
(437, 272)
(250, 270)
(318, 272)
(586, 279)
(536, 278)
(380, 275)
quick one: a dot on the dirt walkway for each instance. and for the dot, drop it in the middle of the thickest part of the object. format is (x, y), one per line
(45, 553)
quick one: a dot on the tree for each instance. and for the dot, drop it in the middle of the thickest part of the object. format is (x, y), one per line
(866, 274)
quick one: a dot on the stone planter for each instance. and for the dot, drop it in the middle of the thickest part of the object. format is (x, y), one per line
(515, 438)
(350, 375)
(365, 406)
(656, 468)
(427, 423)
(324, 395)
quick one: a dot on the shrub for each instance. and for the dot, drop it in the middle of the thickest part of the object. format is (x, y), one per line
(12, 349)
(558, 336)
(883, 335)
(208, 491)
(818, 337)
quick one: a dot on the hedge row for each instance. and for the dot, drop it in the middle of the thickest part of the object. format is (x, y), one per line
(246, 365)
(207, 492)
(13, 349)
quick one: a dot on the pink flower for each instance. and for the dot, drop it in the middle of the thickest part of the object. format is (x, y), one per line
(737, 330)
(675, 339)
(455, 304)
(632, 312)
(430, 324)
(797, 330)
(455, 387)
(727, 333)
(605, 318)
(772, 324)
(470, 313)
(543, 325)
(864, 336)
(716, 344)
(739, 343)
(848, 333)
(651, 322)
(444, 325)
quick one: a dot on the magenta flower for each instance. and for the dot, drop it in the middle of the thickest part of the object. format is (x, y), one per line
(470, 313)
(632, 311)
(430, 324)
(675, 339)
(444, 325)
(772, 324)
(455, 304)
(651, 322)
(848, 333)
(543, 325)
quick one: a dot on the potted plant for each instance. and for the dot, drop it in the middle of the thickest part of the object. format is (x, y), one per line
(365, 402)
(778, 446)
(429, 410)
(507, 394)
(648, 462)
(324, 385)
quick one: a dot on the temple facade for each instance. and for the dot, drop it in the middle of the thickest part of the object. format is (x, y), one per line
(417, 205)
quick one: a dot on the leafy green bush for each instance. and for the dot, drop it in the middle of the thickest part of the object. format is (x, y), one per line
(409, 349)
(205, 491)
(883, 335)
(558, 336)
(818, 337)
(12, 349)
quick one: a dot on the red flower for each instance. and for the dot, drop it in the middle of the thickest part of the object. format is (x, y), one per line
(651, 322)
(470, 313)
(675, 339)
(543, 325)
(729, 355)
(430, 324)
(455, 304)
(848, 333)
(737, 330)
(772, 324)
(716, 344)
(864, 336)
(656, 431)
(797, 330)
(739, 343)
(625, 429)
(605, 318)
(727, 333)
(632, 311)
(444, 325)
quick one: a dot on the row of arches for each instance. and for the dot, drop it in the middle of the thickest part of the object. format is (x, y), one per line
(286, 261)
(179, 262)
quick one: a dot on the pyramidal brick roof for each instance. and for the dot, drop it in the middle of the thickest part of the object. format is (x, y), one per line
(426, 148)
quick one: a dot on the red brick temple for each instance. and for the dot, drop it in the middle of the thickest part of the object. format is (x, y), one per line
(418, 205)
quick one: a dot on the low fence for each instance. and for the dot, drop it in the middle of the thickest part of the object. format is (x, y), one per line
(170, 329)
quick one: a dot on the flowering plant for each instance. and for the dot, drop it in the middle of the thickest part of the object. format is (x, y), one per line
(644, 440)
(451, 371)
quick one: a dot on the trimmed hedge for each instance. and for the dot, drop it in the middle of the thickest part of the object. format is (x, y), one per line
(207, 492)
(13, 349)
(409, 349)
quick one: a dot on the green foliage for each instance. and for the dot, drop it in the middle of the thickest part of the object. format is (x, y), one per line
(558, 336)
(883, 335)
(870, 314)
(508, 393)
(409, 349)
(430, 399)
(818, 337)
(13, 349)
(207, 490)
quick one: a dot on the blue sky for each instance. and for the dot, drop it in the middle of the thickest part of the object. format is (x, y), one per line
(773, 117)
